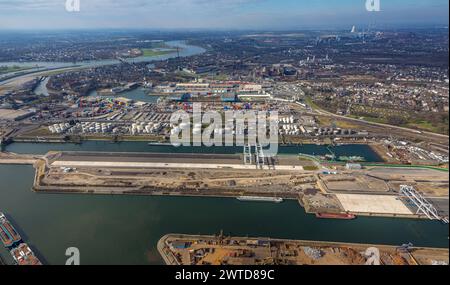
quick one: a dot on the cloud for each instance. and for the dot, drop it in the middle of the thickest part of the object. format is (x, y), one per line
(29, 4)
(35, 5)
(240, 14)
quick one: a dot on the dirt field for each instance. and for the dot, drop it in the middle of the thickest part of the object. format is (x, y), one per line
(220, 250)
(172, 174)
(427, 181)
(235, 181)
(355, 182)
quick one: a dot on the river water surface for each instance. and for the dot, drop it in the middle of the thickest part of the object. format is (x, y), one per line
(125, 229)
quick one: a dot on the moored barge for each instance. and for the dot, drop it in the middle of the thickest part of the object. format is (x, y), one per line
(335, 216)
(8, 233)
(23, 255)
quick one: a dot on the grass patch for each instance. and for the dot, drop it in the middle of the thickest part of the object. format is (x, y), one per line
(40, 132)
(310, 168)
(328, 121)
(371, 119)
(311, 103)
(147, 138)
(9, 69)
(156, 52)
(303, 158)
(424, 125)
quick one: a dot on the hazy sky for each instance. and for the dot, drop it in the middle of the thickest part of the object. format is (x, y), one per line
(226, 14)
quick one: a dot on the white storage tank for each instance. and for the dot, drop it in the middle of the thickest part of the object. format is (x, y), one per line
(197, 131)
(175, 130)
(184, 126)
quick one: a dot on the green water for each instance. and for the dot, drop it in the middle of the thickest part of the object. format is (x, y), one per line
(138, 95)
(125, 229)
(39, 148)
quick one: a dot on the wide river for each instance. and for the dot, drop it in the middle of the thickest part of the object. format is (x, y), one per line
(125, 229)
(185, 51)
(35, 66)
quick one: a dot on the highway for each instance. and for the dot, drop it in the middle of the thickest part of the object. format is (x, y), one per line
(34, 73)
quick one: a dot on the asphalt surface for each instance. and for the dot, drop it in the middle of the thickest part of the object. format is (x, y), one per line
(442, 205)
(153, 158)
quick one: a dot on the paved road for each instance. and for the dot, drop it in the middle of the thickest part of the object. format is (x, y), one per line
(36, 73)
(442, 205)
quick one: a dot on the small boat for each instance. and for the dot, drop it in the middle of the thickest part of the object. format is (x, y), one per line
(335, 216)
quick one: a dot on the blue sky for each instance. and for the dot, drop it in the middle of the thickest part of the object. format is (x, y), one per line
(223, 14)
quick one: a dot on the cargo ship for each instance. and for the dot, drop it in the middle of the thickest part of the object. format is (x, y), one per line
(23, 255)
(260, 199)
(335, 216)
(8, 233)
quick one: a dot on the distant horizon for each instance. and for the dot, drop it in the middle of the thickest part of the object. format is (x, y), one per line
(219, 30)
(221, 15)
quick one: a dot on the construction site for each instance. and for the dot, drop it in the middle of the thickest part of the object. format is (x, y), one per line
(226, 250)
(368, 191)
(170, 174)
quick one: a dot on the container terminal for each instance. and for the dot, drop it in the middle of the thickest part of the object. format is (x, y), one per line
(177, 249)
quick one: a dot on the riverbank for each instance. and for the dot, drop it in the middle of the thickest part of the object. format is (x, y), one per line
(51, 68)
(124, 138)
(42, 147)
(218, 175)
(372, 192)
(177, 249)
(163, 170)
(373, 153)
(15, 159)
(83, 220)
(368, 149)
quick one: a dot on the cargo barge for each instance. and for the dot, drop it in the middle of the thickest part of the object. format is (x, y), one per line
(335, 216)
(9, 235)
(352, 159)
(23, 255)
(11, 239)
(260, 199)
